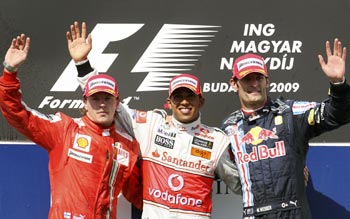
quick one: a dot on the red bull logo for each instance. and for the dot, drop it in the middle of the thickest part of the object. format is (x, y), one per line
(257, 134)
(262, 152)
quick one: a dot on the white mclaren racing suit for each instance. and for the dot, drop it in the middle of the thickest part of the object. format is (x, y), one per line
(179, 163)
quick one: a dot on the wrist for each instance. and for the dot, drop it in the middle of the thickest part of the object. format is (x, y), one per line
(81, 62)
(338, 82)
(9, 68)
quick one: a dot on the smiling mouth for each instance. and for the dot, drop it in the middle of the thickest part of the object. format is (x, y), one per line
(185, 110)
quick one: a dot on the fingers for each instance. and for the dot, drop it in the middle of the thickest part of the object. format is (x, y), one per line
(27, 45)
(335, 47)
(77, 30)
(338, 49)
(21, 42)
(321, 60)
(13, 43)
(72, 30)
(344, 54)
(83, 30)
(328, 49)
(68, 37)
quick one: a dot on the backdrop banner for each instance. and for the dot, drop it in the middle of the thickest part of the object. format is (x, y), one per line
(143, 44)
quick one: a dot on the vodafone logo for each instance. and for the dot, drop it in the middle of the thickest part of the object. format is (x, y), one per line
(172, 196)
(175, 182)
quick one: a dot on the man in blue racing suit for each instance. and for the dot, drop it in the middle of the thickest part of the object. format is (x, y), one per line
(269, 138)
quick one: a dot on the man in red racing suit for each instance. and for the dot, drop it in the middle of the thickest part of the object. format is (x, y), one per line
(88, 161)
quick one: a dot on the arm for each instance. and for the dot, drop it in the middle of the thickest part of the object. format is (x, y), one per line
(317, 118)
(79, 47)
(334, 69)
(227, 171)
(337, 107)
(30, 123)
(132, 188)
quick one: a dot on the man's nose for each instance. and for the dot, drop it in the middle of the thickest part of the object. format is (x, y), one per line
(184, 100)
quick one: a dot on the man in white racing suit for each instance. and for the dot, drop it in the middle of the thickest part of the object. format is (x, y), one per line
(180, 156)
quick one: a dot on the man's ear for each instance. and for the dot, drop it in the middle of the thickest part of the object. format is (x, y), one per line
(168, 103)
(117, 100)
(84, 101)
(267, 83)
(234, 85)
(201, 101)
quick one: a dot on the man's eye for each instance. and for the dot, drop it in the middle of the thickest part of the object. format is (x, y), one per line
(176, 97)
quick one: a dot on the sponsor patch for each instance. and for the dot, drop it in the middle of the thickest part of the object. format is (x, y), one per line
(311, 117)
(202, 143)
(261, 152)
(87, 158)
(278, 120)
(120, 155)
(300, 107)
(200, 153)
(80, 216)
(82, 142)
(166, 132)
(164, 142)
(141, 116)
(66, 215)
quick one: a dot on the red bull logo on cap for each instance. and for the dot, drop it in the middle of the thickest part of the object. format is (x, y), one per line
(257, 134)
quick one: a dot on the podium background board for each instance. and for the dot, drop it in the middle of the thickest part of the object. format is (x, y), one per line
(145, 43)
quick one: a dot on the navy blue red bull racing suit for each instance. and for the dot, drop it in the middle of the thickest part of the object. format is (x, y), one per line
(270, 147)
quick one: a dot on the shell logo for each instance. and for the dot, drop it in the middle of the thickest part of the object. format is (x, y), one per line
(82, 142)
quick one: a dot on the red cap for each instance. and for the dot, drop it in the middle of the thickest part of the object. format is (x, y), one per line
(101, 83)
(185, 80)
(249, 63)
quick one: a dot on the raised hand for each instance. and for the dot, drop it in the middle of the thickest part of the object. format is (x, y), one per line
(78, 45)
(18, 51)
(335, 66)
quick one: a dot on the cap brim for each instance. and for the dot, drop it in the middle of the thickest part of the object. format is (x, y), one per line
(242, 74)
(188, 87)
(94, 91)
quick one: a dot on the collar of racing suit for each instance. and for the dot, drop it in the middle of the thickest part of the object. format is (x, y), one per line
(96, 128)
(274, 106)
(184, 126)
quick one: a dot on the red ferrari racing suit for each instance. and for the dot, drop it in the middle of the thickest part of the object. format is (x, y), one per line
(88, 165)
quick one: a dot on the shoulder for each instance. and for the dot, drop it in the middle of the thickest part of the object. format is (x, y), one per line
(215, 130)
(232, 119)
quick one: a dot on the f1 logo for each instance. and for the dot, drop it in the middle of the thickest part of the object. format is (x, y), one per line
(174, 50)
